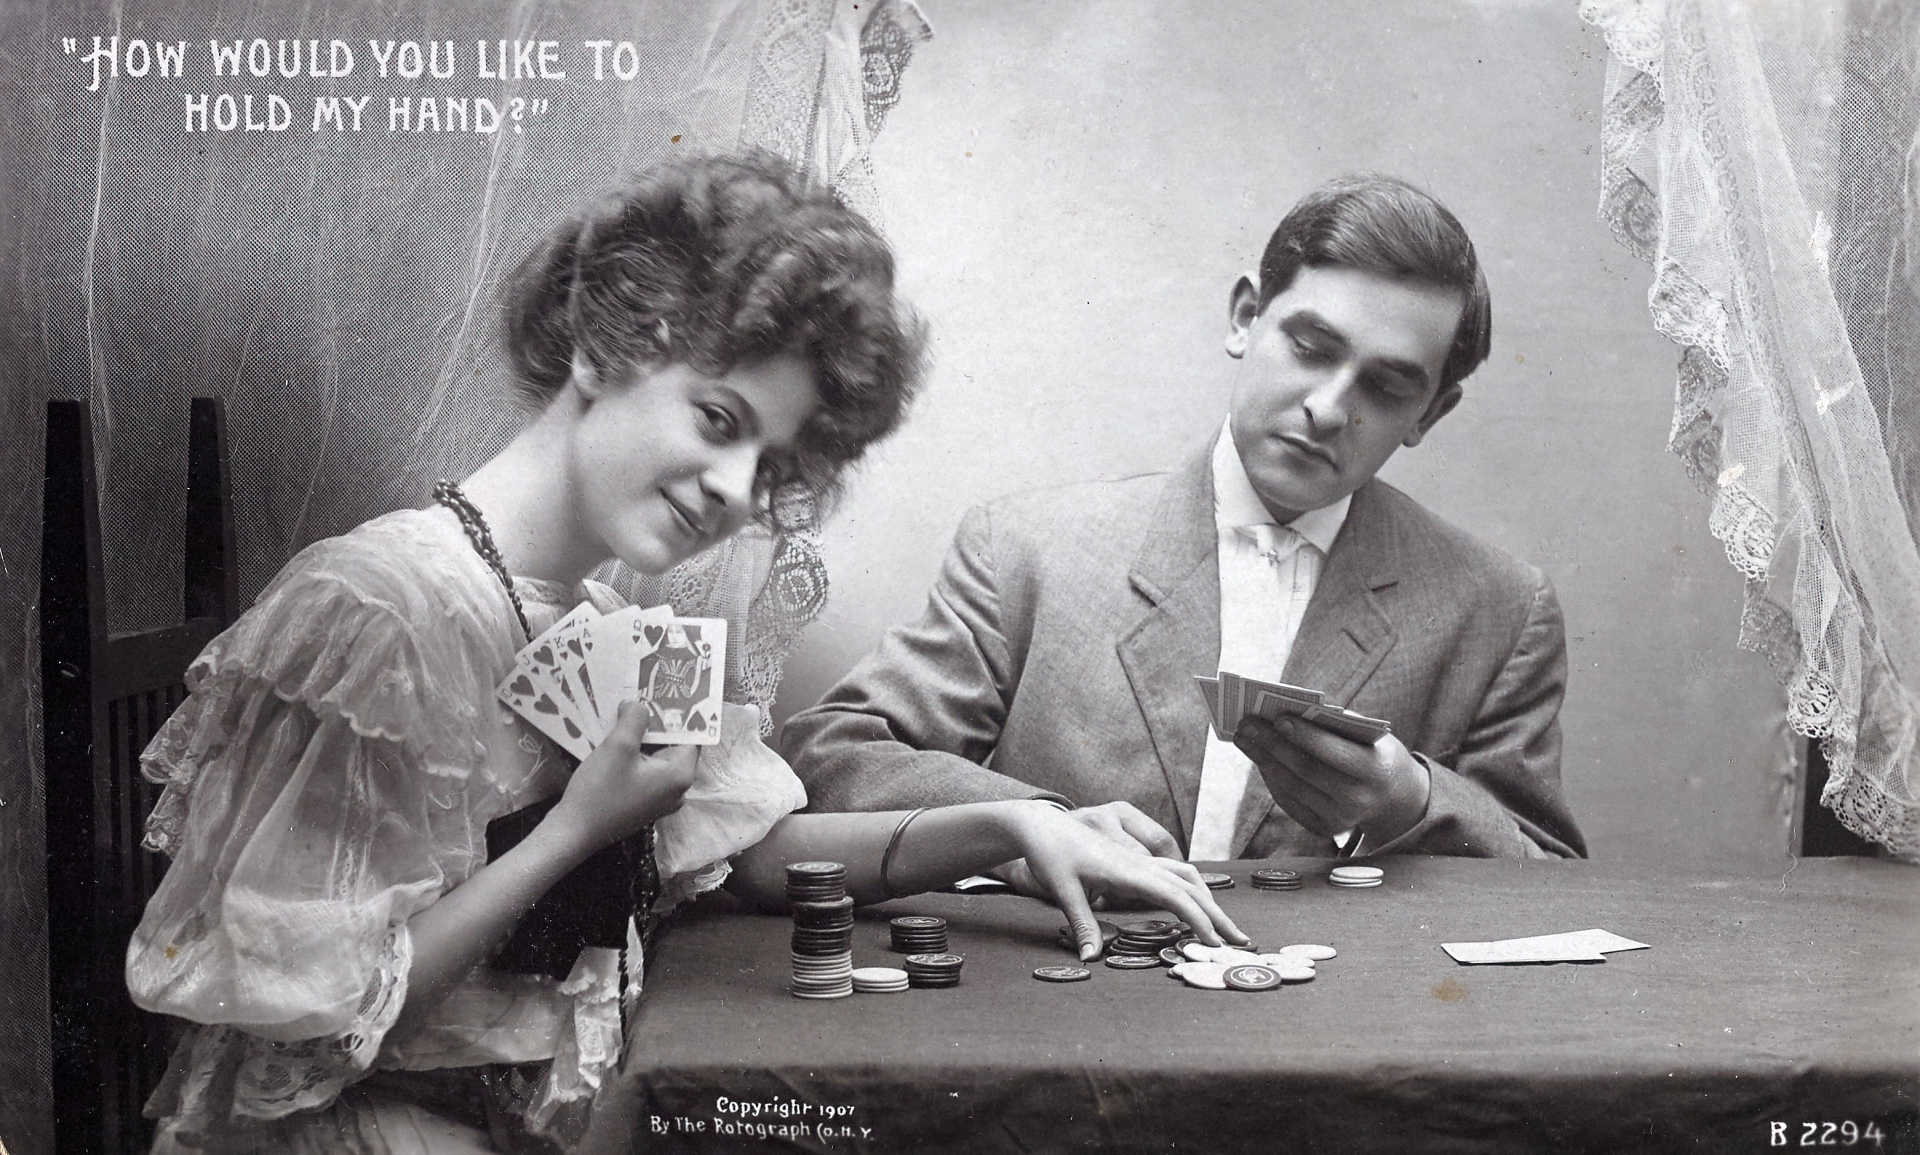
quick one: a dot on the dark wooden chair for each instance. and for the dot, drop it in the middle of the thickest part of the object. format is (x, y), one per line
(104, 697)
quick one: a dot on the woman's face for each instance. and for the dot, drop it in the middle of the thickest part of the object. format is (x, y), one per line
(665, 464)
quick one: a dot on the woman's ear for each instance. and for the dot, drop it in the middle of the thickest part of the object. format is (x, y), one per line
(584, 380)
(1243, 306)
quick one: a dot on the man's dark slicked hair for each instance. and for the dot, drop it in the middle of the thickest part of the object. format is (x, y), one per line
(1381, 224)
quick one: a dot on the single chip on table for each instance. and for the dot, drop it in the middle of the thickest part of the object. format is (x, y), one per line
(1251, 977)
(1205, 976)
(1062, 974)
(1356, 873)
(1310, 950)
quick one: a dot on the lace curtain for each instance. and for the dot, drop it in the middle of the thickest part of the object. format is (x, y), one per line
(1764, 159)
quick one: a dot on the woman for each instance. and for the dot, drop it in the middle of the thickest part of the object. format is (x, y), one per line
(717, 347)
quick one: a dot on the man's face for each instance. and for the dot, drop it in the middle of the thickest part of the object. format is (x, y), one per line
(1335, 374)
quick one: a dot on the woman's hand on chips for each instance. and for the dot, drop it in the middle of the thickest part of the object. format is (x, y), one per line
(1070, 865)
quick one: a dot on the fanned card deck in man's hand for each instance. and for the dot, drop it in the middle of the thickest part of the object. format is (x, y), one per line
(1231, 698)
(571, 681)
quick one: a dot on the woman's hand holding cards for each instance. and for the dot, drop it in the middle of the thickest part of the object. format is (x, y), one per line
(1329, 783)
(620, 787)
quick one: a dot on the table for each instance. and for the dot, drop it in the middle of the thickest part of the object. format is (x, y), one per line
(1766, 1004)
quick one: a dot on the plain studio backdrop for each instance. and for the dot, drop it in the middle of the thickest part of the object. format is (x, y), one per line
(1072, 189)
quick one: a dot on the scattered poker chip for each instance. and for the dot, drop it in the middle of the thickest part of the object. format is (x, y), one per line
(1172, 956)
(1275, 878)
(1218, 881)
(1062, 974)
(1133, 962)
(1356, 873)
(879, 980)
(1251, 977)
(1148, 938)
(1235, 956)
(940, 962)
(1277, 960)
(919, 934)
(1108, 933)
(1204, 975)
(1356, 877)
(934, 970)
(1311, 951)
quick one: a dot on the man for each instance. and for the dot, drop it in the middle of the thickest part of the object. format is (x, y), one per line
(1058, 651)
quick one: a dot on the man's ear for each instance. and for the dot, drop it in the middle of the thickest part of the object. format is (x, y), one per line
(1243, 305)
(1441, 405)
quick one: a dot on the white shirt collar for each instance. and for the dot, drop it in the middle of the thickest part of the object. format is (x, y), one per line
(1235, 504)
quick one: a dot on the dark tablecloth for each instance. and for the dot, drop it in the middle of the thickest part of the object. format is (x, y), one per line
(1765, 1004)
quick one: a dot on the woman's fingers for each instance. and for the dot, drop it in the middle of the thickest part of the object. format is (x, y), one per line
(1071, 898)
(1194, 904)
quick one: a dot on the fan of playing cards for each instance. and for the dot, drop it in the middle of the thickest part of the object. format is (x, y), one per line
(571, 681)
(1231, 697)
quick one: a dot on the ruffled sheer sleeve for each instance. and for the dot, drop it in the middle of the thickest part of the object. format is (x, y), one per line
(317, 796)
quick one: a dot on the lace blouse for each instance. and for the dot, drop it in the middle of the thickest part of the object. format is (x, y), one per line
(331, 775)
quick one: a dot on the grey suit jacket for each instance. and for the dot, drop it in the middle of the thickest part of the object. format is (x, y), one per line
(1059, 645)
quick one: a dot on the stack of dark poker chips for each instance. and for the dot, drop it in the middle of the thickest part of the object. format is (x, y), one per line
(822, 930)
(928, 971)
(1275, 879)
(1148, 939)
(919, 934)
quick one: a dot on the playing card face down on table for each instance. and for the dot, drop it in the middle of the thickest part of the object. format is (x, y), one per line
(1574, 946)
(1231, 697)
(571, 681)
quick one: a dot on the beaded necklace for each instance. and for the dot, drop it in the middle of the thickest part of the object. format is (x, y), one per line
(637, 851)
(448, 494)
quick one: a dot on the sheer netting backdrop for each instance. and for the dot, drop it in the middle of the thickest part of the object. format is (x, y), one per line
(340, 289)
(335, 282)
(1764, 158)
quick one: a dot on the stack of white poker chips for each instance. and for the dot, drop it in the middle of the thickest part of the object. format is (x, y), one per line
(879, 980)
(822, 930)
(1356, 877)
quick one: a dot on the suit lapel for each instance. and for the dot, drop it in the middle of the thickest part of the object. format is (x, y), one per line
(1177, 576)
(1347, 630)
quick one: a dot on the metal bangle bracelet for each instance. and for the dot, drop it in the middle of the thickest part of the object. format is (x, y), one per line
(893, 844)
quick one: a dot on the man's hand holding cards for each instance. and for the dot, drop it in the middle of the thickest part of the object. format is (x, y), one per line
(1331, 769)
(571, 680)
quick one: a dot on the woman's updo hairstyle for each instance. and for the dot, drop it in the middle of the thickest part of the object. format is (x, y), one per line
(720, 262)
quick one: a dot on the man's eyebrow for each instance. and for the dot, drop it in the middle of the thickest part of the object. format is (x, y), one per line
(1413, 371)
